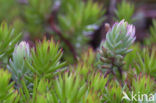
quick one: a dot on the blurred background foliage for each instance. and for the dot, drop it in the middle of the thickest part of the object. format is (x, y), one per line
(77, 23)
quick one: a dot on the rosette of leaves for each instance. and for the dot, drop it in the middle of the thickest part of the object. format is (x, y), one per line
(77, 20)
(152, 38)
(92, 98)
(86, 63)
(46, 59)
(17, 64)
(143, 84)
(97, 83)
(146, 62)
(41, 93)
(8, 39)
(113, 93)
(13, 98)
(139, 88)
(88, 57)
(82, 69)
(65, 88)
(44, 93)
(113, 50)
(6, 90)
(125, 10)
(77, 16)
(70, 88)
(36, 14)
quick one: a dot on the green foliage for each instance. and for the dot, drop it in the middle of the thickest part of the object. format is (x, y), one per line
(17, 65)
(83, 69)
(36, 14)
(143, 84)
(8, 7)
(78, 15)
(152, 38)
(41, 92)
(146, 62)
(8, 39)
(92, 98)
(18, 24)
(125, 11)
(79, 18)
(115, 47)
(46, 59)
(131, 58)
(119, 38)
(113, 93)
(88, 57)
(141, 88)
(85, 64)
(67, 88)
(70, 88)
(40, 75)
(6, 91)
(97, 82)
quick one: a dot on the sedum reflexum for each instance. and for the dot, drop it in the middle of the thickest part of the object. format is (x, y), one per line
(7, 93)
(113, 93)
(36, 13)
(17, 64)
(125, 10)
(146, 62)
(77, 21)
(70, 88)
(8, 39)
(118, 40)
(46, 59)
(85, 65)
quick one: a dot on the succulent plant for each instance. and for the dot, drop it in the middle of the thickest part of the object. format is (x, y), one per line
(146, 62)
(88, 57)
(41, 93)
(17, 64)
(5, 85)
(139, 88)
(125, 10)
(113, 93)
(143, 84)
(46, 59)
(40, 74)
(77, 21)
(92, 98)
(118, 40)
(132, 57)
(8, 39)
(97, 83)
(85, 65)
(36, 13)
(70, 88)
